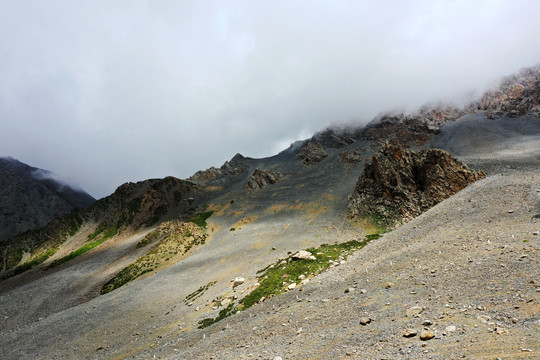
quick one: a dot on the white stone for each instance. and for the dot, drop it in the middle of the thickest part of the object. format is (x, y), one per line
(303, 255)
(238, 281)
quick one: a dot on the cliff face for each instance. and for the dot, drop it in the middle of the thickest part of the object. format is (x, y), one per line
(31, 197)
(399, 184)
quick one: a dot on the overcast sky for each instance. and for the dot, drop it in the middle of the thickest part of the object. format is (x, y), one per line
(104, 92)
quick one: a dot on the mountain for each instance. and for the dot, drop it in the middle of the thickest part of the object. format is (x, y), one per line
(31, 197)
(415, 236)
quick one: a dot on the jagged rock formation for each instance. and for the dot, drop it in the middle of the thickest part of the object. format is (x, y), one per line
(351, 157)
(517, 95)
(400, 184)
(312, 153)
(410, 129)
(235, 166)
(261, 178)
(333, 139)
(131, 206)
(31, 197)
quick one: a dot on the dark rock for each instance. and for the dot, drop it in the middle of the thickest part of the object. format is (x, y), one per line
(312, 153)
(399, 184)
(262, 178)
(351, 157)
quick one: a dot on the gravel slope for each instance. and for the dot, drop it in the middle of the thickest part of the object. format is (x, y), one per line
(471, 262)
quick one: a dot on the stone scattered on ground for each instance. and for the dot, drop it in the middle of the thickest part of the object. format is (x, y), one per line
(409, 333)
(303, 255)
(238, 281)
(426, 335)
(414, 311)
(364, 320)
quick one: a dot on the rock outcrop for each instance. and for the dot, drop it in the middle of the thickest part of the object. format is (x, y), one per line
(408, 129)
(234, 166)
(312, 153)
(399, 184)
(517, 95)
(262, 178)
(351, 157)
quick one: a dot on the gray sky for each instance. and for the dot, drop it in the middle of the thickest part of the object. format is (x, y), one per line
(104, 92)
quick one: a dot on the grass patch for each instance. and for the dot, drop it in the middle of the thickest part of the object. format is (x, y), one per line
(228, 311)
(107, 234)
(31, 263)
(197, 293)
(172, 243)
(373, 236)
(201, 218)
(275, 278)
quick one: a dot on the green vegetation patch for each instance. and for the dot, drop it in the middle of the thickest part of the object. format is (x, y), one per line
(197, 293)
(31, 263)
(201, 218)
(228, 311)
(384, 222)
(106, 235)
(174, 239)
(275, 278)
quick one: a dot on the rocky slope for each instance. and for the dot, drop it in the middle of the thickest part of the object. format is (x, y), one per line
(398, 184)
(31, 197)
(463, 272)
(131, 207)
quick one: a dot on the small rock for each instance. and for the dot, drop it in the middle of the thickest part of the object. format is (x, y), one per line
(238, 281)
(510, 211)
(388, 285)
(278, 358)
(409, 333)
(483, 318)
(303, 255)
(427, 323)
(291, 286)
(414, 310)
(363, 291)
(349, 290)
(364, 320)
(426, 335)
(450, 328)
(536, 232)
(225, 302)
(302, 277)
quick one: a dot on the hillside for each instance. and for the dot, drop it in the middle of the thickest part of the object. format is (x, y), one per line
(31, 197)
(175, 260)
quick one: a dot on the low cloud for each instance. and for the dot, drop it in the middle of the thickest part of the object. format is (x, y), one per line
(108, 92)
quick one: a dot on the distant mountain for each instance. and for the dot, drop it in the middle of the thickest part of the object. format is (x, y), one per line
(31, 197)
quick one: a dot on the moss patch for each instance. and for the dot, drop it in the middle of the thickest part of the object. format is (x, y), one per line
(201, 218)
(228, 311)
(197, 293)
(275, 279)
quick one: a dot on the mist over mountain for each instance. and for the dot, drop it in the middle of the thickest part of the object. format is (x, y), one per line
(31, 197)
